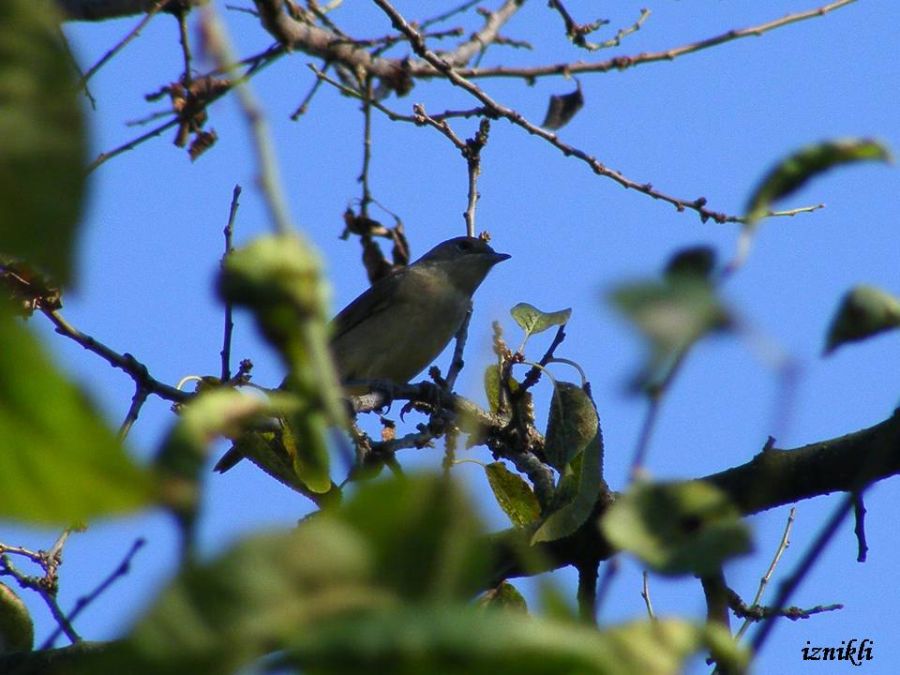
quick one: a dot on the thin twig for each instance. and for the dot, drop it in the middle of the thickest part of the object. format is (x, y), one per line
(616, 40)
(645, 594)
(130, 145)
(624, 62)
(457, 363)
(534, 374)
(499, 110)
(464, 7)
(47, 585)
(185, 42)
(764, 581)
(367, 150)
(474, 146)
(76, 67)
(423, 117)
(220, 47)
(859, 513)
(228, 231)
(304, 104)
(791, 613)
(654, 403)
(576, 32)
(85, 601)
(137, 402)
(790, 584)
(119, 46)
(387, 41)
(134, 368)
(471, 151)
(256, 64)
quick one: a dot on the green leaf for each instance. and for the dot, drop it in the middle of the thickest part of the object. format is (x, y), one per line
(43, 147)
(182, 456)
(532, 320)
(795, 170)
(427, 515)
(677, 528)
(864, 311)
(584, 474)
(504, 596)
(469, 641)
(275, 453)
(571, 425)
(492, 387)
(16, 626)
(61, 464)
(216, 617)
(279, 279)
(513, 494)
(697, 262)
(672, 315)
(497, 403)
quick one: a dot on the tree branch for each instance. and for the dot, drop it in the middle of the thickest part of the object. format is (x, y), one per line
(773, 478)
(624, 62)
(100, 10)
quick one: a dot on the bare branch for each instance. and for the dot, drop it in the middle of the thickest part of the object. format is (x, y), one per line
(156, 7)
(764, 581)
(85, 601)
(134, 368)
(100, 10)
(228, 232)
(397, 74)
(624, 62)
(499, 110)
(771, 479)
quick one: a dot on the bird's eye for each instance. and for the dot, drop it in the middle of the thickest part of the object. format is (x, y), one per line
(464, 245)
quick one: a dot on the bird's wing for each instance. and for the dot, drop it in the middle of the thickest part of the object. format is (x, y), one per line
(370, 303)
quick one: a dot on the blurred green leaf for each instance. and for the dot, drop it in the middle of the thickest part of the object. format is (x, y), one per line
(275, 453)
(61, 464)
(672, 315)
(279, 279)
(584, 475)
(504, 596)
(697, 262)
(677, 528)
(214, 413)
(513, 494)
(864, 311)
(794, 171)
(217, 617)
(427, 515)
(378, 585)
(16, 626)
(571, 424)
(43, 146)
(533, 321)
(468, 641)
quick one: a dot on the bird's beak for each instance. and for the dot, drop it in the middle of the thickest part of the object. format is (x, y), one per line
(499, 257)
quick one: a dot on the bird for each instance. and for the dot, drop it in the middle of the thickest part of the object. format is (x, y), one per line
(402, 322)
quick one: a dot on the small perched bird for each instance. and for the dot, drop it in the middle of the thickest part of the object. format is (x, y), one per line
(403, 321)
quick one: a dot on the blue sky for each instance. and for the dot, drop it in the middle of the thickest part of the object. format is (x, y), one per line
(708, 124)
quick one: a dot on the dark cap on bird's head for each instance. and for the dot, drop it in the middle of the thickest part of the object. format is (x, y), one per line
(469, 258)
